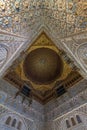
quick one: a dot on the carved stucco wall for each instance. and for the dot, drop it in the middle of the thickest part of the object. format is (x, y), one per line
(41, 117)
(75, 96)
(22, 20)
(26, 123)
(32, 116)
(9, 91)
(66, 24)
(6, 113)
(77, 47)
(9, 45)
(60, 123)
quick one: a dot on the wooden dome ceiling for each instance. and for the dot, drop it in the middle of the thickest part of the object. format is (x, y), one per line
(43, 65)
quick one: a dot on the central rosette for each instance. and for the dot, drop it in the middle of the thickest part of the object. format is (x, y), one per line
(43, 65)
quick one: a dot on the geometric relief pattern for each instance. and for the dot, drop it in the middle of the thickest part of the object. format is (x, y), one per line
(7, 94)
(60, 17)
(73, 42)
(3, 54)
(23, 17)
(77, 45)
(8, 45)
(71, 122)
(82, 54)
(58, 108)
(64, 16)
(11, 121)
(19, 16)
(16, 105)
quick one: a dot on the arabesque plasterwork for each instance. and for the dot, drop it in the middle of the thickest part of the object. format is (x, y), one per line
(64, 16)
(77, 45)
(42, 41)
(24, 18)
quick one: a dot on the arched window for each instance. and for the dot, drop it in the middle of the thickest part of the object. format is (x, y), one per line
(73, 121)
(19, 125)
(8, 121)
(78, 119)
(68, 124)
(13, 123)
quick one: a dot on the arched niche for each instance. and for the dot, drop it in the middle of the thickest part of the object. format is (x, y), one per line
(11, 121)
(76, 121)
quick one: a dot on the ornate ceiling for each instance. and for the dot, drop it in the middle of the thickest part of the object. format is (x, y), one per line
(65, 21)
(43, 67)
(64, 16)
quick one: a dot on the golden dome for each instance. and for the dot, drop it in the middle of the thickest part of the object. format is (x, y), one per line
(43, 65)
